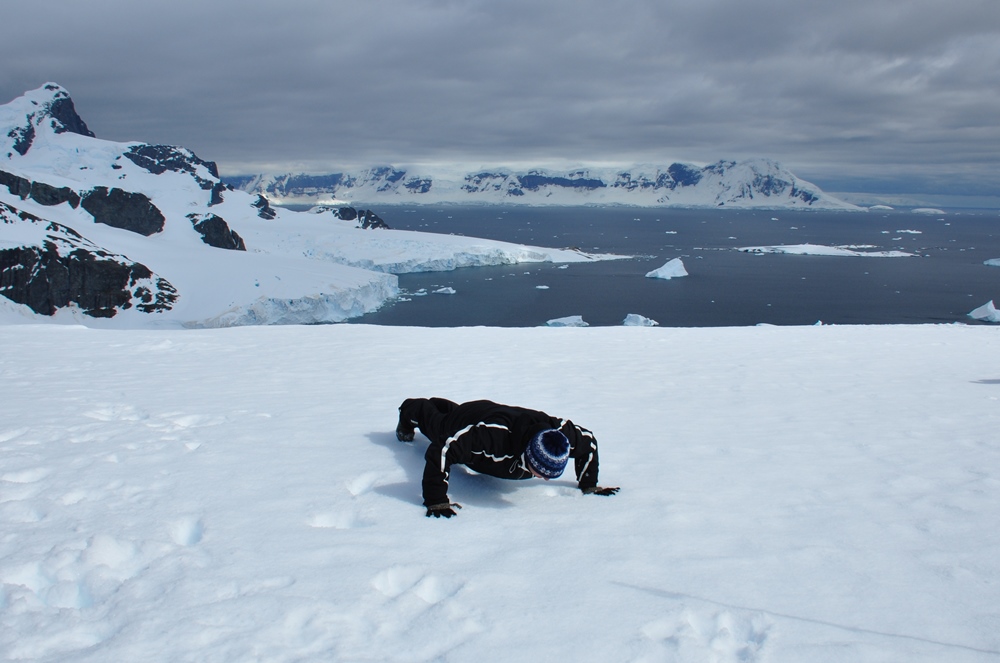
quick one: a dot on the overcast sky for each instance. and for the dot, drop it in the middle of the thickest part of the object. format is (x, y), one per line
(897, 95)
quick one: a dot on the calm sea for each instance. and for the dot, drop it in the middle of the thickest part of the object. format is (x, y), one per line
(724, 287)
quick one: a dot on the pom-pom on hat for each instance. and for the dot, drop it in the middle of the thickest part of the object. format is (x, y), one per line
(547, 453)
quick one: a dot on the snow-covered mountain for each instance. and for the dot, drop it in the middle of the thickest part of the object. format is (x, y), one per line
(753, 183)
(133, 234)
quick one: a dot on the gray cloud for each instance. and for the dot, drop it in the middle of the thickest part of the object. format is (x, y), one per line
(847, 92)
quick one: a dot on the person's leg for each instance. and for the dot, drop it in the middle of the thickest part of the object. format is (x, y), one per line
(423, 413)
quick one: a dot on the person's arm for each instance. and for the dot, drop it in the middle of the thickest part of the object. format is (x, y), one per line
(584, 451)
(437, 469)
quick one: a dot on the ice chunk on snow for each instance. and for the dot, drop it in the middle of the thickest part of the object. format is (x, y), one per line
(673, 269)
(636, 320)
(569, 321)
(987, 313)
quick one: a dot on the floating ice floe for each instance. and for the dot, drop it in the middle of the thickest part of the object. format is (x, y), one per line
(987, 313)
(447, 290)
(673, 269)
(928, 210)
(992, 262)
(636, 320)
(821, 250)
(568, 321)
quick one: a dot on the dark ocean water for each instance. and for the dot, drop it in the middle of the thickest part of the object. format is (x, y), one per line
(724, 287)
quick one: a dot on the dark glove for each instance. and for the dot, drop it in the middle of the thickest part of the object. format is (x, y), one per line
(446, 509)
(598, 490)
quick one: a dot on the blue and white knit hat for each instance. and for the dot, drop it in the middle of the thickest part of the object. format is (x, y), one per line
(547, 453)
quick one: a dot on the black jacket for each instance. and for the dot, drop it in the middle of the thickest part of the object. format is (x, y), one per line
(490, 438)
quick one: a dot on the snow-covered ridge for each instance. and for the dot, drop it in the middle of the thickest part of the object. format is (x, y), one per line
(98, 228)
(753, 183)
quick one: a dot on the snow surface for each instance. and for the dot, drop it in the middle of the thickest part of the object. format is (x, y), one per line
(821, 250)
(671, 270)
(788, 494)
(987, 313)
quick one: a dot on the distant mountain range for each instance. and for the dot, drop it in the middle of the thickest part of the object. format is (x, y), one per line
(753, 183)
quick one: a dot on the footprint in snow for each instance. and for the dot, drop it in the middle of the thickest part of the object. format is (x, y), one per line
(406, 599)
(724, 636)
(432, 589)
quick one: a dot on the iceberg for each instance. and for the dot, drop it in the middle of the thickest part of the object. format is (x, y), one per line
(992, 262)
(673, 269)
(636, 320)
(568, 321)
(821, 250)
(987, 313)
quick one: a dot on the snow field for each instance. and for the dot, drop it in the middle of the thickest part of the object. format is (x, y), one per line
(816, 493)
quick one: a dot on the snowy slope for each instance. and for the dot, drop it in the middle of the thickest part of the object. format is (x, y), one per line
(753, 183)
(296, 268)
(821, 494)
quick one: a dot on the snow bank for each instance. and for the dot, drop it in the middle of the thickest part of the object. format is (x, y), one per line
(229, 495)
(987, 313)
(671, 270)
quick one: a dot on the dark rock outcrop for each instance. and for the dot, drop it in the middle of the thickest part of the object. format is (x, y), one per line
(264, 209)
(123, 209)
(366, 219)
(40, 192)
(158, 159)
(370, 219)
(18, 186)
(216, 232)
(68, 270)
(23, 138)
(63, 110)
(44, 194)
(534, 181)
(217, 190)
